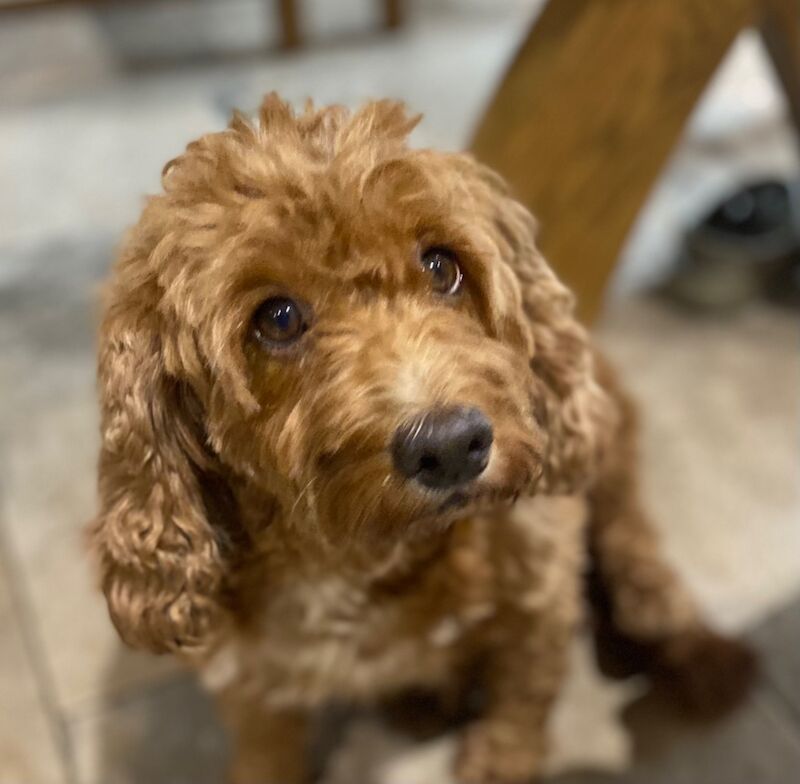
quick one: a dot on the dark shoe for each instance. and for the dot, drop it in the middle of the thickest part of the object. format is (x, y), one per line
(746, 248)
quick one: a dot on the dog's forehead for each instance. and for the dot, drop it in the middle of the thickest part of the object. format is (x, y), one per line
(306, 209)
(350, 217)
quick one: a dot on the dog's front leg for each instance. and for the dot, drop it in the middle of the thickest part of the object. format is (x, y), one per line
(525, 670)
(527, 642)
(269, 746)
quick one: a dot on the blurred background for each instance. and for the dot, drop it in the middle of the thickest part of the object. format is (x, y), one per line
(656, 141)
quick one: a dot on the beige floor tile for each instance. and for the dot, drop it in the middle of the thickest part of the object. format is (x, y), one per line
(48, 452)
(51, 467)
(721, 414)
(28, 753)
(163, 735)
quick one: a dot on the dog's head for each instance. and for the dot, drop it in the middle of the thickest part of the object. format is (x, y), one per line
(362, 334)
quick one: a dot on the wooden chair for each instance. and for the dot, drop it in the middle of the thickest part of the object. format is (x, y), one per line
(288, 13)
(595, 101)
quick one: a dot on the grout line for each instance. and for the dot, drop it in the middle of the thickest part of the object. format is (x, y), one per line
(775, 710)
(790, 712)
(23, 611)
(92, 706)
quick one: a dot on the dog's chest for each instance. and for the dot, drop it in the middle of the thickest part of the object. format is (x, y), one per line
(318, 636)
(331, 637)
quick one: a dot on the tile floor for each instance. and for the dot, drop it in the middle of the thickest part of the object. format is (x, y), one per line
(83, 134)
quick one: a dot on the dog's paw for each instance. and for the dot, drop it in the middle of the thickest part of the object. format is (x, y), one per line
(707, 674)
(494, 752)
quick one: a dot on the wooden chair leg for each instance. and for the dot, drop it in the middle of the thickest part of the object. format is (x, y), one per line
(290, 25)
(588, 114)
(780, 31)
(393, 13)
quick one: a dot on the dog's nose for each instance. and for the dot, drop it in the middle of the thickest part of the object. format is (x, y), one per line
(443, 447)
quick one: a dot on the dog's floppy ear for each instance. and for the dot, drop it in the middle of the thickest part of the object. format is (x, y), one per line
(161, 564)
(578, 415)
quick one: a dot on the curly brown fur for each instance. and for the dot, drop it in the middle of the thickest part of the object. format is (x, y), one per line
(252, 521)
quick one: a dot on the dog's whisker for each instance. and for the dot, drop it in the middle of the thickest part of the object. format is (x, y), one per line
(301, 495)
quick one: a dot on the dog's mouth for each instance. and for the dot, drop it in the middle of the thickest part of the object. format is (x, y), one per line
(441, 513)
(461, 504)
(470, 501)
(479, 499)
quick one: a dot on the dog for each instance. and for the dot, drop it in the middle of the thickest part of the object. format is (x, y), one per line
(344, 399)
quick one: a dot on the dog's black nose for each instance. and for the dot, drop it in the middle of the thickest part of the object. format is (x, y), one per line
(443, 447)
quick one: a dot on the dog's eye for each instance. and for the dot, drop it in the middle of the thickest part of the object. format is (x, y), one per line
(278, 321)
(443, 268)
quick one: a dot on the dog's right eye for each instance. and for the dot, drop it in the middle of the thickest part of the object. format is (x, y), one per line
(442, 266)
(278, 322)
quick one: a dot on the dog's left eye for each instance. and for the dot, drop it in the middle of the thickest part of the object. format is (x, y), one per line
(278, 321)
(443, 268)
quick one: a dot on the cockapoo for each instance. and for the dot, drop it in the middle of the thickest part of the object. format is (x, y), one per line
(341, 395)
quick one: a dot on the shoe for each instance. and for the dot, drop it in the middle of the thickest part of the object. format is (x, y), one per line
(746, 248)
